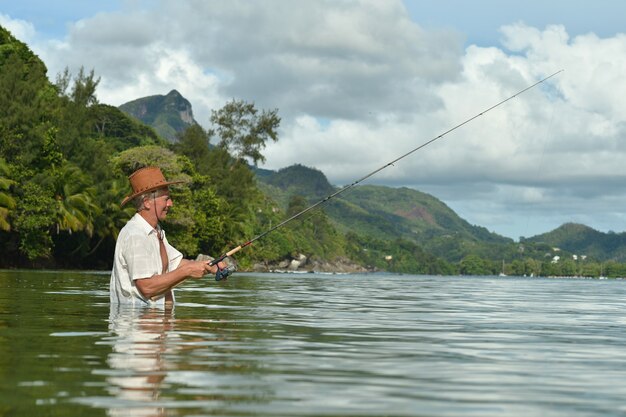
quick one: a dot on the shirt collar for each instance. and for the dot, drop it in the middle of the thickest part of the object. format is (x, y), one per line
(143, 223)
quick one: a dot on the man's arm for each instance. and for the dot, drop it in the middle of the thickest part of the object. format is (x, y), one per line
(159, 284)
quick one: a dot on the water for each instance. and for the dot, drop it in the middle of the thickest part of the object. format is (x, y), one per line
(315, 345)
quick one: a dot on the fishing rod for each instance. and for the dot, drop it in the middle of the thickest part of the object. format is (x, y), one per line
(223, 273)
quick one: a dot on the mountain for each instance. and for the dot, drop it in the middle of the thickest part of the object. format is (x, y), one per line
(584, 240)
(168, 115)
(386, 213)
(390, 212)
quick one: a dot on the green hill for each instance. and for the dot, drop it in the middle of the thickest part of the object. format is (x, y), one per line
(413, 212)
(169, 115)
(295, 180)
(387, 213)
(584, 240)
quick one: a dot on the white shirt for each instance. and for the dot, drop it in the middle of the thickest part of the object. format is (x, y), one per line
(137, 256)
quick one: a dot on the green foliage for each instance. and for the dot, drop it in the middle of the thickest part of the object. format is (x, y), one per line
(314, 232)
(33, 220)
(230, 179)
(209, 218)
(242, 131)
(82, 92)
(295, 180)
(475, 265)
(7, 199)
(172, 166)
(74, 198)
(25, 105)
(399, 255)
(194, 144)
(120, 131)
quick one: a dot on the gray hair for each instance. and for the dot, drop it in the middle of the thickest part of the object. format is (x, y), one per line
(138, 201)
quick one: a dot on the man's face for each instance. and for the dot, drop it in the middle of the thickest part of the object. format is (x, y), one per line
(162, 203)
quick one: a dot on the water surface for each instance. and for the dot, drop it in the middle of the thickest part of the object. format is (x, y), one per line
(315, 345)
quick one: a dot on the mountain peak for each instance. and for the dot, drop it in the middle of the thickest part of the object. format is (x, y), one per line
(168, 114)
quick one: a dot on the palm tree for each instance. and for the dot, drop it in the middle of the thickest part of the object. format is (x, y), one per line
(74, 197)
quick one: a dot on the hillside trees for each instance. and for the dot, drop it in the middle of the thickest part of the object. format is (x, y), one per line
(26, 103)
(400, 255)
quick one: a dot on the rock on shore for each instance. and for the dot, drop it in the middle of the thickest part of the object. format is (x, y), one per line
(300, 263)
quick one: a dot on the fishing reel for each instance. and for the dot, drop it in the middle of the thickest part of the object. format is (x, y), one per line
(225, 272)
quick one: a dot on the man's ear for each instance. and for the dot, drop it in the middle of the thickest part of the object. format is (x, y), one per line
(147, 203)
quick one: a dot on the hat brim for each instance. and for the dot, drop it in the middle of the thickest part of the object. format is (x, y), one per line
(149, 190)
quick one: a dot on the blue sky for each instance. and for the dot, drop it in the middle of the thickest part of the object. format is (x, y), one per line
(358, 83)
(480, 20)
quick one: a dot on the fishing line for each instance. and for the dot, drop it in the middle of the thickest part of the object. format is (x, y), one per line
(223, 273)
(542, 155)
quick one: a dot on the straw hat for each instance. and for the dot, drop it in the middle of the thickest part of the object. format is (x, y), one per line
(145, 180)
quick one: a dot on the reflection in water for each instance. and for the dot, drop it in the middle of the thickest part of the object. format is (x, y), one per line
(159, 364)
(139, 352)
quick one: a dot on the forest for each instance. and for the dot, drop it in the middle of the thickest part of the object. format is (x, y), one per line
(65, 158)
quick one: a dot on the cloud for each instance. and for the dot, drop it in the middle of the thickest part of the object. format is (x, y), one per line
(327, 59)
(358, 83)
(548, 151)
(20, 29)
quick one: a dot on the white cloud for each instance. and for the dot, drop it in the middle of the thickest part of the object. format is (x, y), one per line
(357, 84)
(21, 29)
(548, 151)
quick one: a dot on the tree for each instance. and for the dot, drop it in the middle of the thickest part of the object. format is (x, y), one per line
(193, 142)
(33, 220)
(474, 265)
(83, 91)
(25, 107)
(7, 200)
(110, 216)
(75, 121)
(73, 194)
(174, 167)
(242, 131)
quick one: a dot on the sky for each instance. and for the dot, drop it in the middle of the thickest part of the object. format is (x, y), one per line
(358, 83)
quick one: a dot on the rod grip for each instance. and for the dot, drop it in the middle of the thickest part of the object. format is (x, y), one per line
(226, 255)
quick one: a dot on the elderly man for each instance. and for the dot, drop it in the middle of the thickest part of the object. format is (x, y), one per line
(146, 267)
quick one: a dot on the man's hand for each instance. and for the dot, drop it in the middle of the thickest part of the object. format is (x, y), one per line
(213, 268)
(196, 269)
